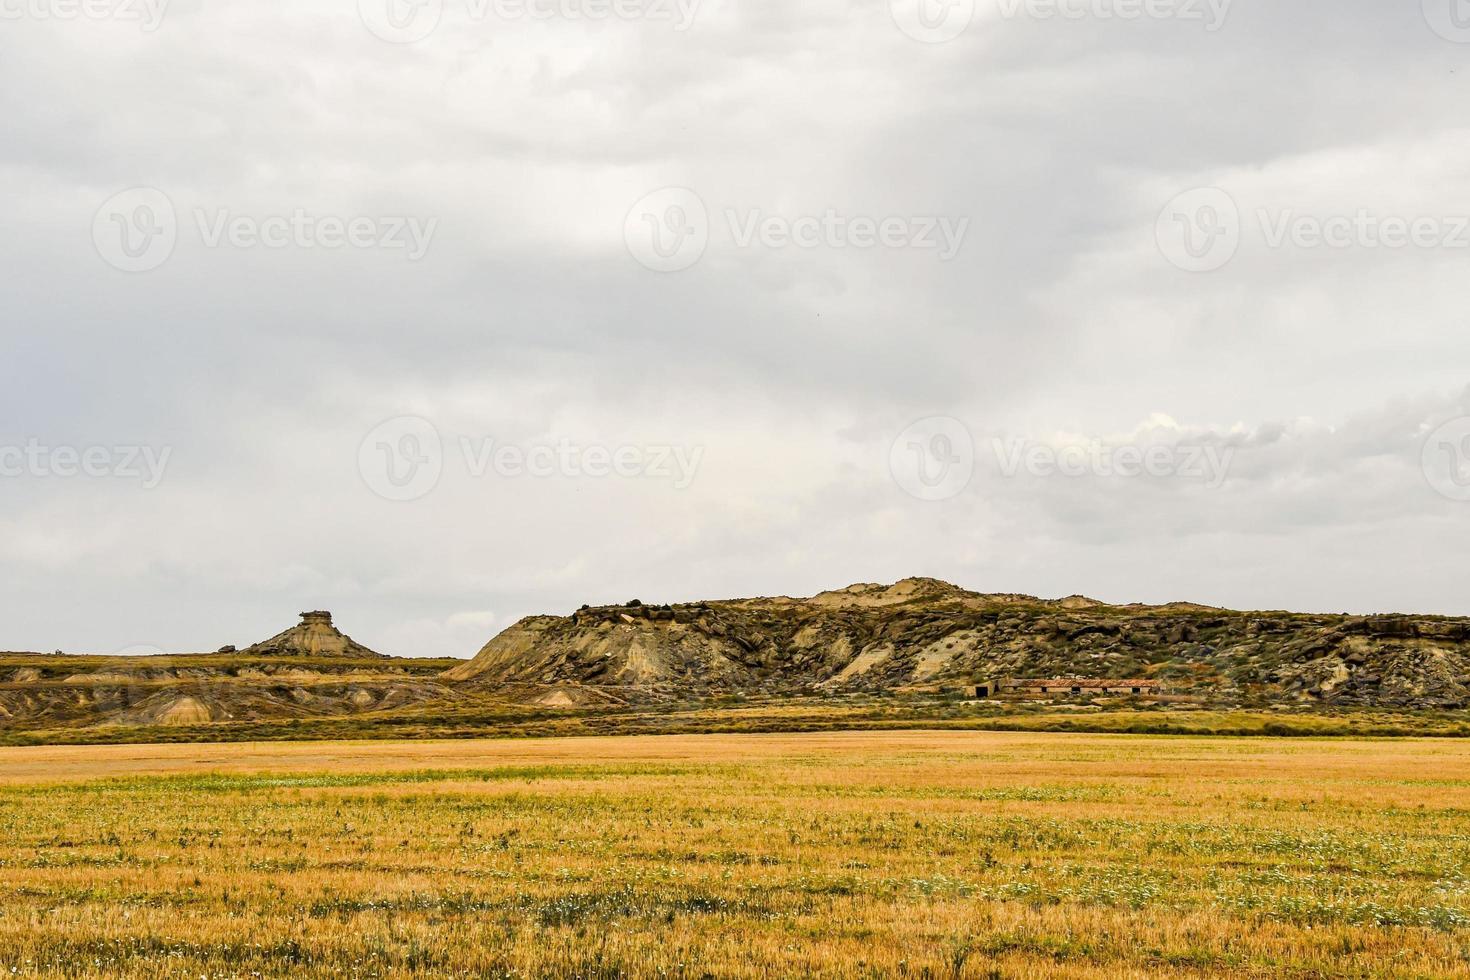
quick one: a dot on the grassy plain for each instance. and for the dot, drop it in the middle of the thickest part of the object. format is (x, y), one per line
(924, 854)
(497, 719)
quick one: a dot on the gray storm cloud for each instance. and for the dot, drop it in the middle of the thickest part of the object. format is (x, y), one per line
(621, 259)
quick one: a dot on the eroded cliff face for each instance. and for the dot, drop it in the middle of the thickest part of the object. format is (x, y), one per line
(922, 632)
(919, 635)
(308, 671)
(197, 689)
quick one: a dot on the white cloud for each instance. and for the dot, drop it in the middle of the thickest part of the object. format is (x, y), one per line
(792, 370)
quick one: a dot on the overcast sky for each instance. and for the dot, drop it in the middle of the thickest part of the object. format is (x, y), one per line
(440, 315)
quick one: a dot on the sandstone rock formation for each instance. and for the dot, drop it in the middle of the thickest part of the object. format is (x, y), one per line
(923, 632)
(314, 636)
(196, 689)
(919, 635)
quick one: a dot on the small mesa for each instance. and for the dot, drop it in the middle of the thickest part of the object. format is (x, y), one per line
(314, 636)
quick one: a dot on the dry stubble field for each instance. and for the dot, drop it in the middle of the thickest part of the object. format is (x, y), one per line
(908, 853)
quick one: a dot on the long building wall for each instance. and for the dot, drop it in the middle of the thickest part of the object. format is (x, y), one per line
(1066, 686)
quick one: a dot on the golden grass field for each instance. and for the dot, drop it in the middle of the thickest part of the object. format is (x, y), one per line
(924, 854)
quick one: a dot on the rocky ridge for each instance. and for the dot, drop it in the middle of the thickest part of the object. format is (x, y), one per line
(919, 636)
(927, 634)
(311, 670)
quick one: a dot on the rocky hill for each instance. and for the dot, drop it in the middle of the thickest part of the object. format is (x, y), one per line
(920, 637)
(39, 690)
(314, 636)
(923, 634)
(308, 671)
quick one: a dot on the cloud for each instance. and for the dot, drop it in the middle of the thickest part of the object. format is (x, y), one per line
(790, 369)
